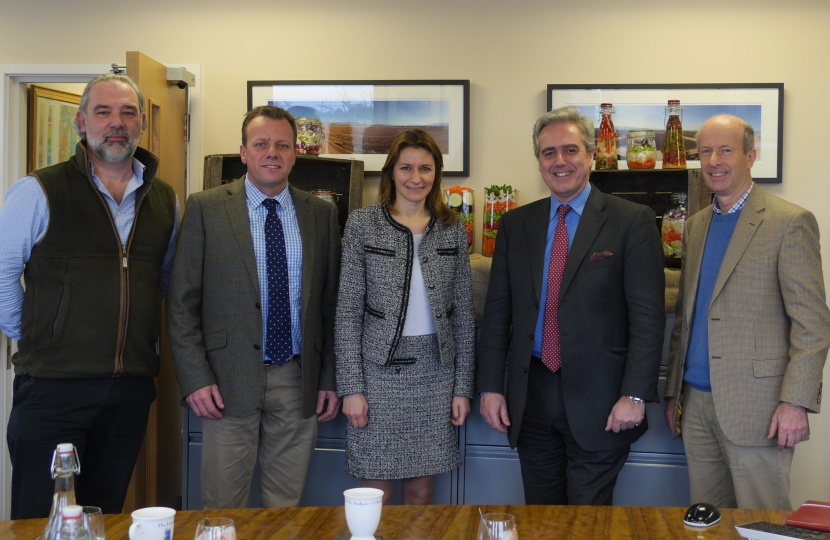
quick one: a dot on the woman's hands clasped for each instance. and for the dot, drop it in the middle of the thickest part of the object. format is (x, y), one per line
(356, 410)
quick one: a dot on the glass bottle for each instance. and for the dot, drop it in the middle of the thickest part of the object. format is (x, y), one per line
(641, 152)
(674, 149)
(674, 221)
(606, 140)
(65, 465)
(73, 527)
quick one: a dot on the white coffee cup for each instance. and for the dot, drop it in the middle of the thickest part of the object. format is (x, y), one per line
(363, 506)
(154, 523)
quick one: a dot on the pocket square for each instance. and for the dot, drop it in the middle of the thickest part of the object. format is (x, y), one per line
(599, 255)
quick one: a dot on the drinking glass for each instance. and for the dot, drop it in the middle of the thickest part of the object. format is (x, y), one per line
(94, 522)
(215, 529)
(497, 527)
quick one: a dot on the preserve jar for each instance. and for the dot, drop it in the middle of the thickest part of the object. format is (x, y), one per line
(674, 149)
(606, 140)
(461, 201)
(309, 135)
(641, 152)
(326, 194)
(671, 233)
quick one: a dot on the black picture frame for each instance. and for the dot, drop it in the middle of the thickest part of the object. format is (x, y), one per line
(361, 118)
(760, 104)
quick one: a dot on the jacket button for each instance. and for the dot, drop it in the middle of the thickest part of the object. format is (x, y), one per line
(525, 370)
(256, 346)
(425, 260)
(531, 336)
(431, 286)
(397, 370)
(389, 341)
(257, 305)
(438, 316)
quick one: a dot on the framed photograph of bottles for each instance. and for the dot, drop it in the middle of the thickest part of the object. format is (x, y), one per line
(675, 112)
(360, 119)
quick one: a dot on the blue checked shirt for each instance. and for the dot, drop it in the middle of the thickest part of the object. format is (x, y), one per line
(293, 252)
(24, 220)
(735, 207)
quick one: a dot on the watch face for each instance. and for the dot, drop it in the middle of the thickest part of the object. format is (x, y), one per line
(635, 399)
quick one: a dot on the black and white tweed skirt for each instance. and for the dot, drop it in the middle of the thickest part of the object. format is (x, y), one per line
(410, 405)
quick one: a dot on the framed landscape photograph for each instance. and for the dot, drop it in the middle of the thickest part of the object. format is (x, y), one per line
(52, 136)
(360, 119)
(761, 105)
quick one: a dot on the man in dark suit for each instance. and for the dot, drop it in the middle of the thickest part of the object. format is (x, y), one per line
(250, 315)
(574, 321)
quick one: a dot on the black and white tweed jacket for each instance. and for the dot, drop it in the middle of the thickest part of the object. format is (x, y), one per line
(374, 294)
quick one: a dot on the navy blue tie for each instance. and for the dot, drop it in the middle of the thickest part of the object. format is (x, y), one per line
(278, 345)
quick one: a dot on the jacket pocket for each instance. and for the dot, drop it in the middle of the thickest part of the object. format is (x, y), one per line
(451, 310)
(373, 312)
(216, 340)
(62, 314)
(770, 367)
(379, 251)
(448, 251)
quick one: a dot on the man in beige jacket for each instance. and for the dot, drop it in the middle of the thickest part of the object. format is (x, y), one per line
(751, 334)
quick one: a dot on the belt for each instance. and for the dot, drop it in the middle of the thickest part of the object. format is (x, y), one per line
(276, 363)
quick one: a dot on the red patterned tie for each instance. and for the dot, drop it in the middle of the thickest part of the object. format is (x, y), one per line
(551, 354)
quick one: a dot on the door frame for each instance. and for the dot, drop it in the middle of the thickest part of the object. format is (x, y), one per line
(13, 119)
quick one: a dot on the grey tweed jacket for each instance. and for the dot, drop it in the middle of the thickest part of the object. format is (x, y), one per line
(374, 294)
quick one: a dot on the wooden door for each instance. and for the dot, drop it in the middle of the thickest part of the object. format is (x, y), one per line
(157, 476)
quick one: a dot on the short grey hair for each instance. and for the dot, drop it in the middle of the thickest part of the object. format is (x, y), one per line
(749, 136)
(105, 78)
(566, 115)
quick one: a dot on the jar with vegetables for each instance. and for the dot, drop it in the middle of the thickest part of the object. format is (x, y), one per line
(461, 201)
(674, 149)
(674, 221)
(641, 152)
(606, 140)
(497, 201)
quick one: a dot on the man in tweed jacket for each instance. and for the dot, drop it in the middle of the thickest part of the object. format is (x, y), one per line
(253, 405)
(751, 334)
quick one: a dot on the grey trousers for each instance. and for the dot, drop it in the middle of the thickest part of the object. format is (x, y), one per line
(278, 434)
(725, 474)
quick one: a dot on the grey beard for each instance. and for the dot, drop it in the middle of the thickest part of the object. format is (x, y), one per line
(113, 152)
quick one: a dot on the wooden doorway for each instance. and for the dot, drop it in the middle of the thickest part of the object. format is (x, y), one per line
(157, 476)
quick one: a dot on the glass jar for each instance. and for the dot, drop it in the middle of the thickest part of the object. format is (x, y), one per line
(309, 135)
(606, 140)
(461, 201)
(674, 221)
(674, 149)
(326, 194)
(497, 201)
(641, 152)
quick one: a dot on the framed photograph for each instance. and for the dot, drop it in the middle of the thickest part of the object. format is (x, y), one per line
(643, 107)
(360, 119)
(52, 136)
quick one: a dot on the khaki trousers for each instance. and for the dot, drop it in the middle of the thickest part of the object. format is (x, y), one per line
(725, 474)
(278, 434)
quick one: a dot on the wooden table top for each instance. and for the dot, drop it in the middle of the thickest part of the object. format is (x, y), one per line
(441, 522)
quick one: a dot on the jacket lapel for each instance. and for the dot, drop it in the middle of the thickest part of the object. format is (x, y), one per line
(590, 223)
(237, 208)
(692, 259)
(308, 235)
(748, 223)
(536, 230)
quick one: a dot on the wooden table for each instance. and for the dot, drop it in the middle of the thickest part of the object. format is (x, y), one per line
(441, 522)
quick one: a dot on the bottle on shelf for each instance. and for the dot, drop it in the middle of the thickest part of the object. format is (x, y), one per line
(674, 221)
(73, 527)
(606, 140)
(641, 152)
(65, 465)
(674, 149)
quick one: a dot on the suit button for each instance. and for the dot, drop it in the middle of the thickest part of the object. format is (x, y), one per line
(425, 260)
(257, 347)
(525, 370)
(389, 341)
(431, 286)
(531, 337)
(397, 370)
(438, 316)
(258, 306)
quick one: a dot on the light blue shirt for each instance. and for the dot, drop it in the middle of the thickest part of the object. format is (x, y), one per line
(24, 220)
(293, 252)
(571, 222)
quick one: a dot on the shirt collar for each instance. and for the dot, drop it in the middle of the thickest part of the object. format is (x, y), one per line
(737, 207)
(255, 196)
(577, 204)
(135, 182)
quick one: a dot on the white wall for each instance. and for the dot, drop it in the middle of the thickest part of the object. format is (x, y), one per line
(509, 50)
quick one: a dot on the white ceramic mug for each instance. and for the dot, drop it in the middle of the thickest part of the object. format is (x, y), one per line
(363, 506)
(154, 523)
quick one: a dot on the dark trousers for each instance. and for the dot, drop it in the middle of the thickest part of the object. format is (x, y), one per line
(555, 469)
(105, 418)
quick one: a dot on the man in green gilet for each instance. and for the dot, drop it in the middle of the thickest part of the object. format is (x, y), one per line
(93, 238)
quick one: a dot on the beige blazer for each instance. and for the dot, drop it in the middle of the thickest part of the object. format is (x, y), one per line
(769, 325)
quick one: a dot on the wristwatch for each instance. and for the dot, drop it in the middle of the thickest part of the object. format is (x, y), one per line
(636, 400)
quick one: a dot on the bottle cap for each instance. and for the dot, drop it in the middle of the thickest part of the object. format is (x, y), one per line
(65, 448)
(606, 105)
(71, 511)
(674, 102)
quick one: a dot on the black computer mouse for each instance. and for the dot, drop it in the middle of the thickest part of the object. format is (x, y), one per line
(701, 515)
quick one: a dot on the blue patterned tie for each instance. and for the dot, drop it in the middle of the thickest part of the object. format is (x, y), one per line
(278, 345)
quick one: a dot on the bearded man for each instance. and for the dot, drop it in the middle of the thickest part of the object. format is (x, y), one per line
(93, 238)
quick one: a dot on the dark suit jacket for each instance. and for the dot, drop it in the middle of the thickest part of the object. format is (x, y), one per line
(611, 314)
(213, 302)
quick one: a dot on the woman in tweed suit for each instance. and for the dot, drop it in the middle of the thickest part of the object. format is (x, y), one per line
(404, 327)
